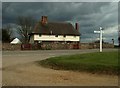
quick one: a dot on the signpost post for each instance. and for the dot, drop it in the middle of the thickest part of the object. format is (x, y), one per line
(100, 32)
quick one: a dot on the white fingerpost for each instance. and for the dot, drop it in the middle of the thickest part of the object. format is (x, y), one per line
(100, 39)
(100, 32)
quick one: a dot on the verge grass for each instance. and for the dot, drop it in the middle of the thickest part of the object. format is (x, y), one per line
(105, 62)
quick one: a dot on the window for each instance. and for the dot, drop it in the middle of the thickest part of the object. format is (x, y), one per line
(64, 36)
(56, 35)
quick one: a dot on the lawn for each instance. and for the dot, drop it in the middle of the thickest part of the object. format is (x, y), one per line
(105, 62)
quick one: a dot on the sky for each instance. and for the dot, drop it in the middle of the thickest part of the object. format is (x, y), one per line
(60, 0)
(89, 15)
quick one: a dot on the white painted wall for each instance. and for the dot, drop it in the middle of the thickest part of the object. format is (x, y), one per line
(53, 38)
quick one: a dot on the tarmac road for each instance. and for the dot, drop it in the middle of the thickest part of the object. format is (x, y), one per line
(19, 69)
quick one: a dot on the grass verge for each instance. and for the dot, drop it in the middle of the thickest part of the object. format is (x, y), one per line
(105, 62)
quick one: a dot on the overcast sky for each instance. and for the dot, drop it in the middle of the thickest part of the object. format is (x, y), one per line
(60, 0)
(89, 15)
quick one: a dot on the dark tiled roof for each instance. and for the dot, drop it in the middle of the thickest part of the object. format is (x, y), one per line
(55, 28)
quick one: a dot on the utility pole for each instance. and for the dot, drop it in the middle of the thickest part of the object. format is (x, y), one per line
(100, 32)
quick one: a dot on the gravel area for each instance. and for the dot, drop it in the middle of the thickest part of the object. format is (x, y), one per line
(19, 69)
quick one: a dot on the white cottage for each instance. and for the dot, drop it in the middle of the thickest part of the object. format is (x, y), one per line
(45, 31)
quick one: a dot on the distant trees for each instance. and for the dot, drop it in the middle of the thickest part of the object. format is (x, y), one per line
(5, 36)
(26, 24)
(6, 33)
(98, 41)
(113, 41)
(0, 34)
(119, 40)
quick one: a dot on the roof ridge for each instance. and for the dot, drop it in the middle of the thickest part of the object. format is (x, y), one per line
(59, 22)
(63, 22)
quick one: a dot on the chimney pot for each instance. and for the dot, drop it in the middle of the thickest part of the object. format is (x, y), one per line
(77, 26)
(44, 20)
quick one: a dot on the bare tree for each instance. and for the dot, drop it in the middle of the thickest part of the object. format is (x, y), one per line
(26, 24)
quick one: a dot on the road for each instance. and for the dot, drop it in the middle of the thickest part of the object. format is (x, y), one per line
(19, 69)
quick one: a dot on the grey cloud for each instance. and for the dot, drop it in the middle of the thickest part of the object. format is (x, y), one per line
(119, 12)
(60, 0)
(90, 15)
(54, 10)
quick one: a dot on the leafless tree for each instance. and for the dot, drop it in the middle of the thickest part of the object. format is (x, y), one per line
(26, 24)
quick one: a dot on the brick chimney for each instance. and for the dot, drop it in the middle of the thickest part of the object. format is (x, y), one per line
(77, 26)
(44, 20)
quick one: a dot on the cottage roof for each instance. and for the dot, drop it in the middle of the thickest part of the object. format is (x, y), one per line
(55, 28)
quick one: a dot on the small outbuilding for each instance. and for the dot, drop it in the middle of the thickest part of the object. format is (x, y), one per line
(16, 41)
